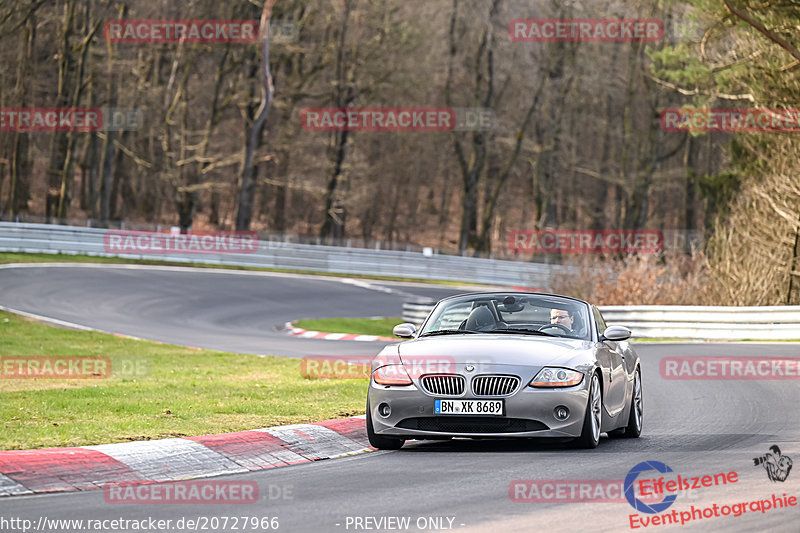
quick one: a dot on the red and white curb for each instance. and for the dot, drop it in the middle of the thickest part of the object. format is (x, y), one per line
(307, 334)
(92, 467)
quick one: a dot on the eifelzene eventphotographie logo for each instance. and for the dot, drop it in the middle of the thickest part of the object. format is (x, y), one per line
(776, 464)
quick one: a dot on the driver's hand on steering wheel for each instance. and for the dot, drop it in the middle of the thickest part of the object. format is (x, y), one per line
(565, 329)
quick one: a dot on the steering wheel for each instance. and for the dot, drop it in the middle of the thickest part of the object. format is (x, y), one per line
(559, 326)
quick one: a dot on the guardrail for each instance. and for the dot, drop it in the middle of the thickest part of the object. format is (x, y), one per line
(44, 238)
(713, 323)
(681, 322)
(416, 311)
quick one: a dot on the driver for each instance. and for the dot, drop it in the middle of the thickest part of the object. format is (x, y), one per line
(562, 317)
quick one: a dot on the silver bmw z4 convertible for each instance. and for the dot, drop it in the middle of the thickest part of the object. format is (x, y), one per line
(506, 364)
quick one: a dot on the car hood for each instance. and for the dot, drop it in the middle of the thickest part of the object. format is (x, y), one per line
(501, 349)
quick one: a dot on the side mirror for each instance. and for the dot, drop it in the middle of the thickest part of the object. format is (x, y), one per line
(615, 333)
(404, 331)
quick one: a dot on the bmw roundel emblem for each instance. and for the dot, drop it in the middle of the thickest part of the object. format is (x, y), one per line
(469, 368)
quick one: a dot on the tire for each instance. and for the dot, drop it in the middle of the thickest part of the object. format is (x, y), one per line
(634, 427)
(378, 441)
(590, 434)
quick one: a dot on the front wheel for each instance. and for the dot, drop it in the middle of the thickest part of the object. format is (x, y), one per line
(378, 441)
(590, 435)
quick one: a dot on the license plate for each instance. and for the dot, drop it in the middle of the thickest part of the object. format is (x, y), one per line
(468, 407)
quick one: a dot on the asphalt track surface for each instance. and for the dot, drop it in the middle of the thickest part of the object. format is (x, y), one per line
(230, 310)
(696, 427)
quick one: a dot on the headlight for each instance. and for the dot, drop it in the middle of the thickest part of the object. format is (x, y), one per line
(556, 377)
(392, 375)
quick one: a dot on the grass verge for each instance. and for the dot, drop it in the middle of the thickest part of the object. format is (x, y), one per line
(358, 326)
(383, 328)
(183, 392)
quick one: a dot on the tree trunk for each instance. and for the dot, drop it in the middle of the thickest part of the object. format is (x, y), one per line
(91, 170)
(599, 218)
(118, 175)
(58, 141)
(690, 222)
(67, 174)
(107, 153)
(344, 95)
(278, 221)
(247, 181)
(335, 210)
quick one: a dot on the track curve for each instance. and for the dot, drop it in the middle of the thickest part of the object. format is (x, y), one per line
(230, 310)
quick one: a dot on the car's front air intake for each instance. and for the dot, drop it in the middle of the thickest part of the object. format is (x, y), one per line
(471, 424)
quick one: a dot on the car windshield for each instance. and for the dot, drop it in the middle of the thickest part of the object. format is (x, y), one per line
(521, 314)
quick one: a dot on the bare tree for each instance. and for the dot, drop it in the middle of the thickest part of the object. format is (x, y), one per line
(247, 183)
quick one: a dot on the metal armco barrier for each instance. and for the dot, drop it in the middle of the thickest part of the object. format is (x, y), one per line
(682, 322)
(44, 238)
(417, 311)
(713, 323)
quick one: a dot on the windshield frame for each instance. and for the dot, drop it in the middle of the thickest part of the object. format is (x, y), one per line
(536, 299)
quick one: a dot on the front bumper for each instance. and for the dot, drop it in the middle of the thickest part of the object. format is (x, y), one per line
(530, 412)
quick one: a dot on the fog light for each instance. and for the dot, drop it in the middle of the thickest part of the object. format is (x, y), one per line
(384, 410)
(561, 413)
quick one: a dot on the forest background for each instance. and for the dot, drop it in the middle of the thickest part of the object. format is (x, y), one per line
(576, 141)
